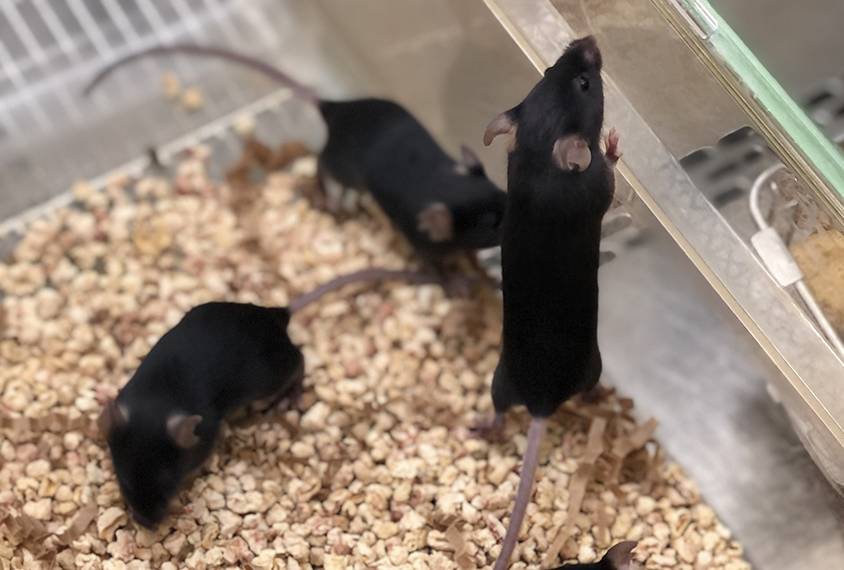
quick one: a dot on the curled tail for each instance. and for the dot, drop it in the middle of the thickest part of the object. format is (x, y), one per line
(374, 274)
(208, 51)
(529, 464)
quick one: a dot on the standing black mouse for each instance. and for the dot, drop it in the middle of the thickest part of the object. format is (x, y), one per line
(560, 184)
(441, 206)
(220, 357)
(619, 557)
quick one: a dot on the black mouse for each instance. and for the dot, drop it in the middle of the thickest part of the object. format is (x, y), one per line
(619, 557)
(559, 186)
(163, 424)
(220, 357)
(441, 206)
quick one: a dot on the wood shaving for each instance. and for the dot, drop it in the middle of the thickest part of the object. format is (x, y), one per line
(821, 257)
(380, 470)
(170, 85)
(455, 538)
(577, 486)
(192, 99)
(83, 518)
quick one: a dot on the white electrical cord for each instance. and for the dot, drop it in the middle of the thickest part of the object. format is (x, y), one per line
(781, 263)
(755, 211)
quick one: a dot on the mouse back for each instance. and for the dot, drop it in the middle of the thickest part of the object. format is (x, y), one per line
(219, 357)
(439, 204)
(361, 138)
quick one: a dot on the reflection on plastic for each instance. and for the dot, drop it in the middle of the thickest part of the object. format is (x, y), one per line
(697, 16)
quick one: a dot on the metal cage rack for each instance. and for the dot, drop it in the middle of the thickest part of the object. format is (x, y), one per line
(455, 65)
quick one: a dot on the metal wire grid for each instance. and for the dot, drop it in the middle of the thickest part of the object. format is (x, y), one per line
(825, 105)
(725, 173)
(43, 41)
(50, 135)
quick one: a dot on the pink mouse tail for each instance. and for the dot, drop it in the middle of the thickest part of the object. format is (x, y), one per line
(209, 51)
(373, 274)
(531, 461)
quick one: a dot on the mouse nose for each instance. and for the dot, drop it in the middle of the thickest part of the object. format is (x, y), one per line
(589, 47)
(142, 520)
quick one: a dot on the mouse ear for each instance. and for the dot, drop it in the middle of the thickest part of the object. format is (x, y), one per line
(471, 161)
(181, 429)
(503, 124)
(437, 222)
(572, 153)
(621, 555)
(114, 415)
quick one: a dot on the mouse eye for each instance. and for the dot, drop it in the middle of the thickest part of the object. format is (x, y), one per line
(584, 83)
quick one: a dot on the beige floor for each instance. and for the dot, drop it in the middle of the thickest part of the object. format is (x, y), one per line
(670, 341)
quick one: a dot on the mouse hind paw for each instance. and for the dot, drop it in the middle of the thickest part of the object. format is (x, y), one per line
(459, 285)
(292, 397)
(490, 429)
(327, 193)
(456, 285)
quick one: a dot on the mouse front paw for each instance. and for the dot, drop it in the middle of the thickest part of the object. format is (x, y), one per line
(612, 153)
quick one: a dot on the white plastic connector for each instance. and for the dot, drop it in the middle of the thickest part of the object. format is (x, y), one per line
(780, 263)
(776, 257)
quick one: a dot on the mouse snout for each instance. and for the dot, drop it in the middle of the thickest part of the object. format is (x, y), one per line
(588, 48)
(142, 520)
(589, 42)
(147, 515)
(591, 53)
